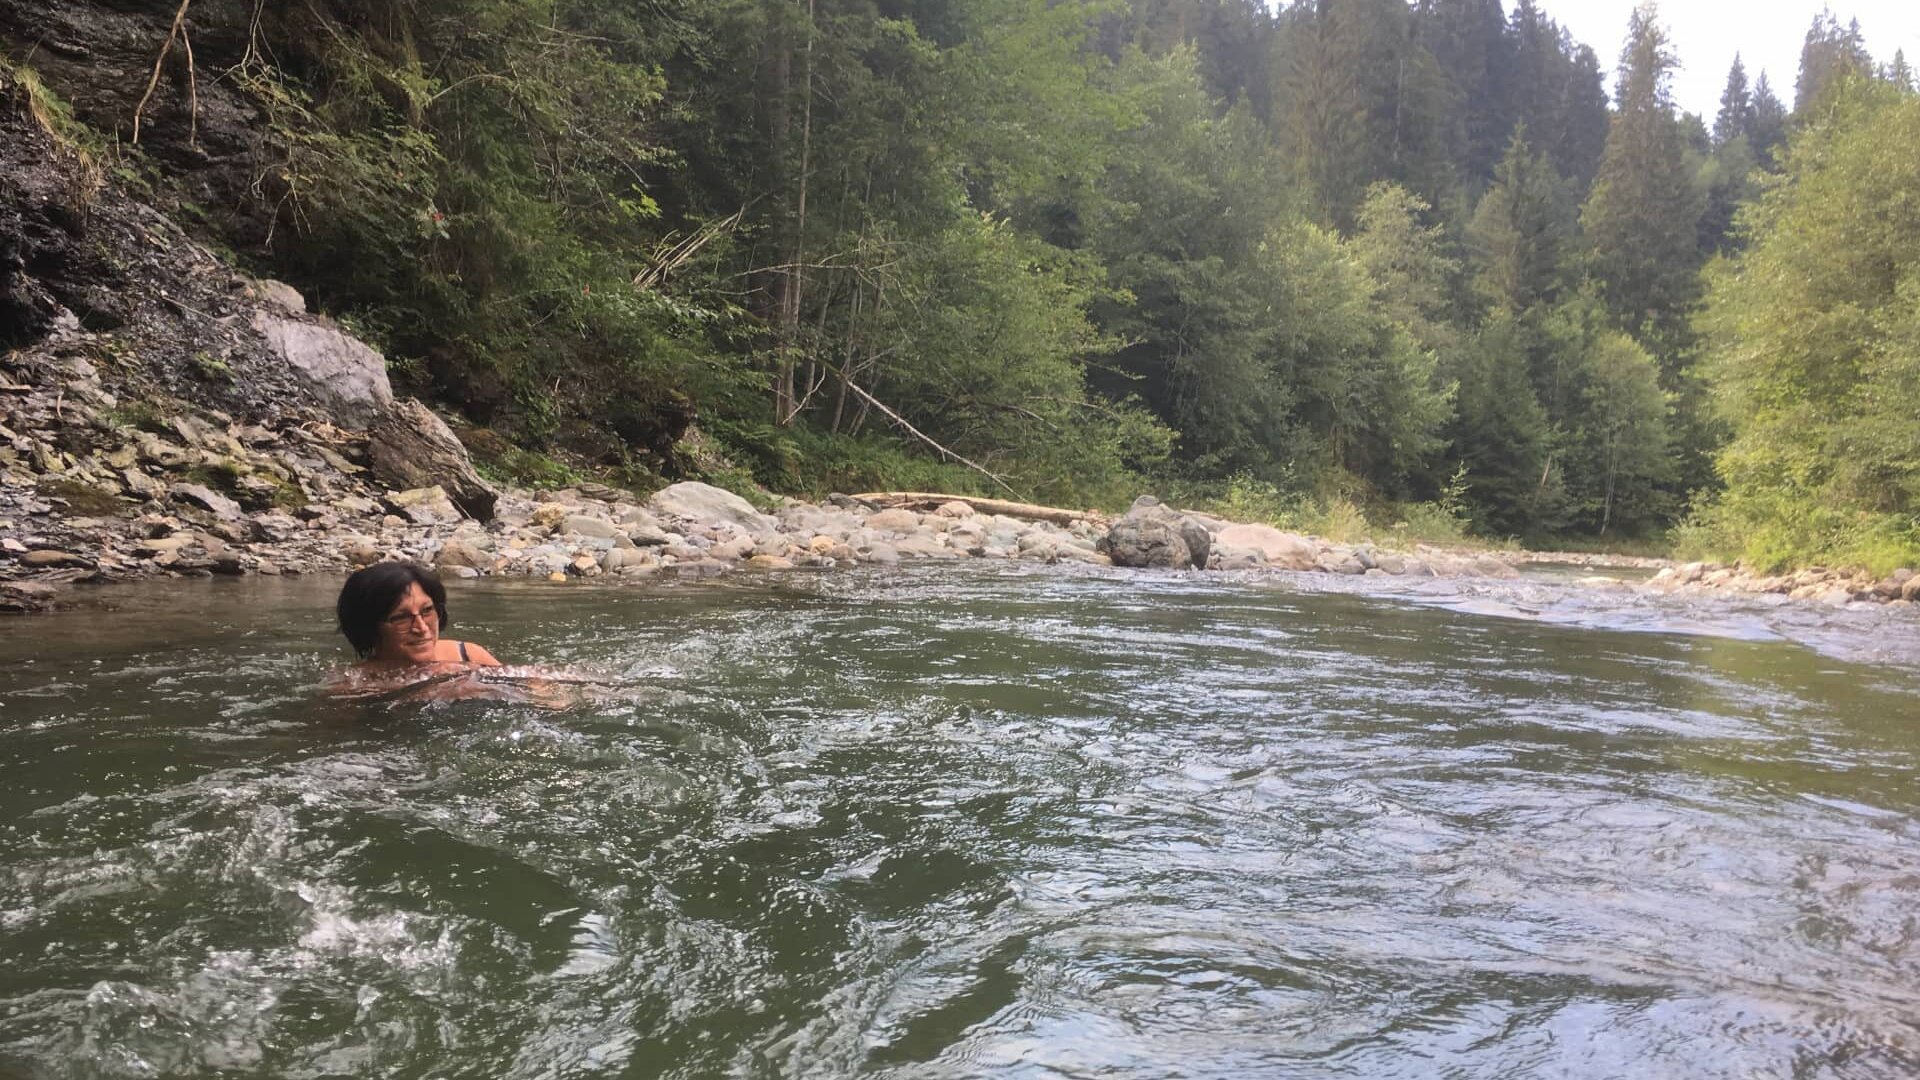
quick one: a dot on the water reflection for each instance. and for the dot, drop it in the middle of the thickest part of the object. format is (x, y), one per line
(961, 822)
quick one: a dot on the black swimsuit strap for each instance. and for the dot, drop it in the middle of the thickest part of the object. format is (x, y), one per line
(463, 652)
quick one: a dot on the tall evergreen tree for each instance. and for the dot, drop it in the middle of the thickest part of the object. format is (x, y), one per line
(1468, 41)
(1830, 53)
(1360, 99)
(1641, 215)
(1501, 436)
(1736, 107)
(1406, 259)
(1768, 128)
(1521, 230)
(1898, 73)
(1557, 90)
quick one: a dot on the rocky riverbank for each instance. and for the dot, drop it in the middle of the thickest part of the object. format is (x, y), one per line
(1819, 584)
(209, 494)
(93, 490)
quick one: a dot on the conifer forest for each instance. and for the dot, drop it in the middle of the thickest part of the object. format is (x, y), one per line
(1435, 263)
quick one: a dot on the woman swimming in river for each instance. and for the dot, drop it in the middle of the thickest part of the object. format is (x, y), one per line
(393, 613)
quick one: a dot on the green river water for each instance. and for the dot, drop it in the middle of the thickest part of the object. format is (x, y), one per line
(967, 821)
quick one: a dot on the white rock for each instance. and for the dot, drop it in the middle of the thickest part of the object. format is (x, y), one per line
(1285, 550)
(584, 525)
(898, 521)
(704, 502)
(344, 373)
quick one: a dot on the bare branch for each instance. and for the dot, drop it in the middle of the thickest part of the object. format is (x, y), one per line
(159, 64)
(901, 422)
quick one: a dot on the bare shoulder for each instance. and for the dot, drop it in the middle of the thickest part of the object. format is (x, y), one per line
(478, 654)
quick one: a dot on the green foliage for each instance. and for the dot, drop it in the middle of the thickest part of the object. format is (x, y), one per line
(212, 368)
(814, 464)
(1446, 520)
(1501, 438)
(1357, 255)
(1521, 231)
(1361, 381)
(1813, 338)
(1644, 208)
(139, 415)
(501, 461)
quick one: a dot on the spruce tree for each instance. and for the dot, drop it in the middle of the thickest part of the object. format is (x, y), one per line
(1830, 53)
(1556, 89)
(1501, 436)
(1359, 99)
(1769, 124)
(1468, 40)
(1644, 207)
(1736, 107)
(1520, 230)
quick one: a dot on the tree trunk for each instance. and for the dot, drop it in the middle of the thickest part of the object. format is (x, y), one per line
(1606, 509)
(787, 405)
(780, 124)
(927, 500)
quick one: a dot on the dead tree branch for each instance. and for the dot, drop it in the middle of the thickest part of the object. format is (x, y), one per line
(176, 31)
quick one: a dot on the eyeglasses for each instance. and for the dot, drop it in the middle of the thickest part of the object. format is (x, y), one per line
(400, 620)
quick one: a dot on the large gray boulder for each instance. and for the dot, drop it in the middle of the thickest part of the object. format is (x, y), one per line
(345, 374)
(691, 500)
(412, 448)
(1153, 534)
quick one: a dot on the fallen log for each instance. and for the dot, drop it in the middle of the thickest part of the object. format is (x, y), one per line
(924, 501)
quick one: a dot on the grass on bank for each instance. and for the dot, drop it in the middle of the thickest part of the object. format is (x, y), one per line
(1775, 534)
(1340, 516)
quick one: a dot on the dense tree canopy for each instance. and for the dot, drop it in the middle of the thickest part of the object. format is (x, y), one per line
(1815, 344)
(1383, 248)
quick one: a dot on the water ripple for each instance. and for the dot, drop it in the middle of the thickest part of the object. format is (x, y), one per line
(965, 822)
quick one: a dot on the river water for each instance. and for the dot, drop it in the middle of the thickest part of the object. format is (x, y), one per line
(968, 822)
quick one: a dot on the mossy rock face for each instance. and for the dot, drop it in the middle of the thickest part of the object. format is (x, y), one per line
(140, 416)
(82, 499)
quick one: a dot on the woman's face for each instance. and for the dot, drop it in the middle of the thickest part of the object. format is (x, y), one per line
(411, 630)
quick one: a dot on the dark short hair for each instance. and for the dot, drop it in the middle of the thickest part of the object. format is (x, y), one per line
(371, 593)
